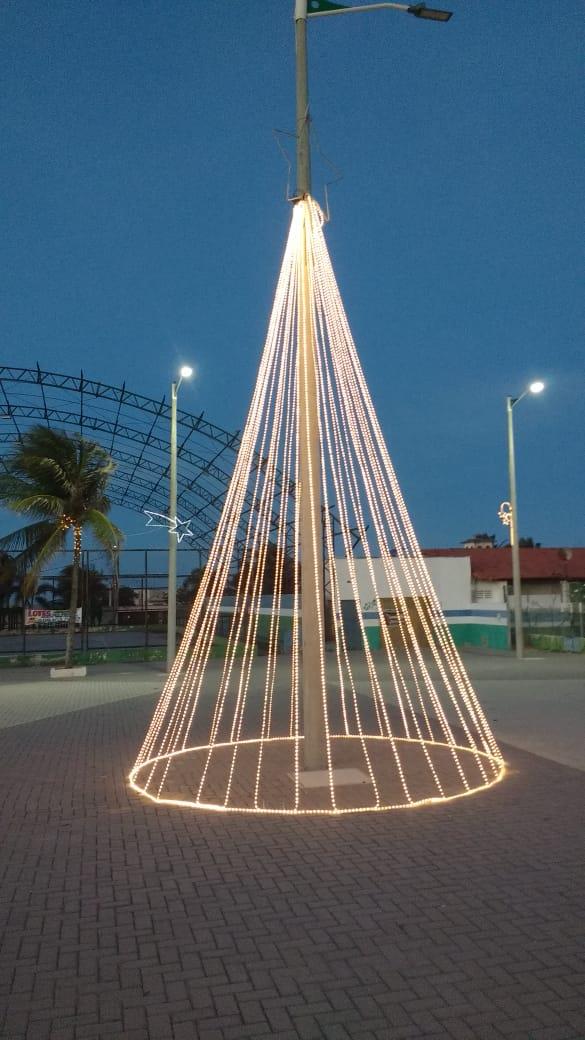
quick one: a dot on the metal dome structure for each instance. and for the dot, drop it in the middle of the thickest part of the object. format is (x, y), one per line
(134, 429)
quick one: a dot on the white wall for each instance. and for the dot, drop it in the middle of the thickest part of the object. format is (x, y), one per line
(488, 592)
(450, 575)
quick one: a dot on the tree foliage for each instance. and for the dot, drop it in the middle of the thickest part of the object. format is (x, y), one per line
(93, 589)
(276, 565)
(188, 589)
(60, 482)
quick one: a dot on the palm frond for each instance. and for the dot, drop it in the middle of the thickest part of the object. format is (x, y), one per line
(33, 546)
(12, 486)
(52, 474)
(54, 543)
(38, 505)
(104, 531)
(25, 538)
(55, 469)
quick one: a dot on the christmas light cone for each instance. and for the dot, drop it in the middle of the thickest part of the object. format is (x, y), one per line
(258, 715)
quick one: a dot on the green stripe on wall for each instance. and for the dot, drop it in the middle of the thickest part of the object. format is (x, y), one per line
(493, 637)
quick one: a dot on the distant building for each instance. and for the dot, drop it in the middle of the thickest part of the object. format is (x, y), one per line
(546, 574)
(470, 624)
(473, 586)
(480, 541)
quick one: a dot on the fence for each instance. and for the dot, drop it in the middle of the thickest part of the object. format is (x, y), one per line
(123, 608)
(555, 629)
(123, 611)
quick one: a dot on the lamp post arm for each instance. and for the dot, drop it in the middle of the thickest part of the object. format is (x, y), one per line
(355, 10)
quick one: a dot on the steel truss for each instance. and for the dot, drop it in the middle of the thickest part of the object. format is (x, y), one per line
(134, 429)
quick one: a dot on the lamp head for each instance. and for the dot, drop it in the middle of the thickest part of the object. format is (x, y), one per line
(536, 387)
(186, 372)
(431, 14)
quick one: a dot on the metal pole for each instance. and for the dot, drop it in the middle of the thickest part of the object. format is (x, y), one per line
(311, 547)
(145, 597)
(172, 568)
(516, 579)
(303, 119)
(311, 544)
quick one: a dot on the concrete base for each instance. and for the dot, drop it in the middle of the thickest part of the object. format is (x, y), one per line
(341, 777)
(69, 673)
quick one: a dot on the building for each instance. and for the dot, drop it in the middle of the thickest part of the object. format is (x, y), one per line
(474, 588)
(480, 541)
(470, 624)
(546, 574)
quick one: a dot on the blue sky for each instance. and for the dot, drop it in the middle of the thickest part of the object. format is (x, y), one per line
(146, 217)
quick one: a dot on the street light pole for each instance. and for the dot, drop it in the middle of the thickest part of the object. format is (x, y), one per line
(311, 544)
(535, 388)
(310, 538)
(516, 580)
(302, 97)
(185, 373)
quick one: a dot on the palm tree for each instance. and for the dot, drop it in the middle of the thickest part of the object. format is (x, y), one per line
(93, 589)
(61, 481)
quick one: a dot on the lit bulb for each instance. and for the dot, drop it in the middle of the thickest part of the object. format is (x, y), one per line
(537, 387)
(186, 372)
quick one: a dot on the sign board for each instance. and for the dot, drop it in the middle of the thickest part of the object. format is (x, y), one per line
(46, 618)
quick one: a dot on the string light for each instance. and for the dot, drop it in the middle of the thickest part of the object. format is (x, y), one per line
(505, 513)
(172, 524)
(228, 735)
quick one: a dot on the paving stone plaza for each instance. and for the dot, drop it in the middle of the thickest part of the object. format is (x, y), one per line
(123, 919)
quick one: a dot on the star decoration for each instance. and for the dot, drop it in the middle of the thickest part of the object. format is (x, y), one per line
(172, 524)
(505, 513)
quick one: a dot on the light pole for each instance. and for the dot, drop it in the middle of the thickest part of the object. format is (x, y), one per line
(185, 373)
(310, 538)
(534, 388)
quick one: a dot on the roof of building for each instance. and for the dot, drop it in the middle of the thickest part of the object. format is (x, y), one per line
(567, 564)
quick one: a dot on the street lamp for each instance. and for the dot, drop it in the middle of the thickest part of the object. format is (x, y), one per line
(184, 373)
(534, 388)
(430, 13)
(318, 8)
(311, 548)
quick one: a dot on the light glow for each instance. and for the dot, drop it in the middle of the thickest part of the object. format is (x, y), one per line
(228, 735)
(186, 372)
(537, 387)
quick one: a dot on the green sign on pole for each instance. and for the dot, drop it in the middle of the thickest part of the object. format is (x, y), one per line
(318, 6)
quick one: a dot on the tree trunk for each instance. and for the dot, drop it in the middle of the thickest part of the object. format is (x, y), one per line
(73, 600)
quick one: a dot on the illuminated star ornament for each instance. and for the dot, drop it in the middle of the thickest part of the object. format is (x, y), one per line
(505, 513)
(367, 706)
(173, 525)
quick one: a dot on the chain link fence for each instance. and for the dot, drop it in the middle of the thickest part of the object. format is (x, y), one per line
(122, 611)
(122, 607)
(555, 629)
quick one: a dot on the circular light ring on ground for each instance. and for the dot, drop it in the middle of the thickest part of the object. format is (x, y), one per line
(145, 771)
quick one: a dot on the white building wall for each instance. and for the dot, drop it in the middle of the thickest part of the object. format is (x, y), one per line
(488, 591)
(450, 575)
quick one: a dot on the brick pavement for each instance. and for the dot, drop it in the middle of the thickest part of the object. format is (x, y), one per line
(126, 920)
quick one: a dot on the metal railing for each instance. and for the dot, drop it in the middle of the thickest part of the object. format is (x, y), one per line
(123, 607)
(560, 629)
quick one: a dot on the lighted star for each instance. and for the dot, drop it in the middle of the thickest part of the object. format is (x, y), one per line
(172, 524)
(175, 529)
(505, 513)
